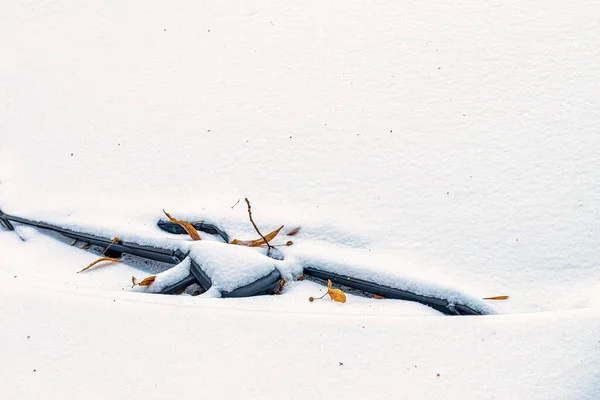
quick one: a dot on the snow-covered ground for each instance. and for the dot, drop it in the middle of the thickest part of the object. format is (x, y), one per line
(452, 145)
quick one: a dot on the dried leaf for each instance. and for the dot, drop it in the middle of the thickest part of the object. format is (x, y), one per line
(180, 291)
(496, 298)
(281, 285)
(378, 297)
(335, 294)
(86, 246)
(257, 242)
(301, 278)
(147, 281)
(99, 261)
(133, 280)
(189, 228)
(293, 231)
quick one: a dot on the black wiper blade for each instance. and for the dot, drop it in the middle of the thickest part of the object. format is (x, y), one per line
(261, 286)
(441, 305)
(149, 252)
(265, 285)
(175, 228)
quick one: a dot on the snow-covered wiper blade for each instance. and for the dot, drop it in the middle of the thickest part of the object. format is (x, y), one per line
(193, 267)
(196, 275)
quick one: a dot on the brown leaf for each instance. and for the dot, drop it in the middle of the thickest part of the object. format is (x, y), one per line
(99, 261)
(335, 294)
(281, 285)
(293, 231)
(257, 242)
(378, 297)
(189, 228)
(147, 281)
(301, 278)
(86, 246)
(133, 280)
(496, 298)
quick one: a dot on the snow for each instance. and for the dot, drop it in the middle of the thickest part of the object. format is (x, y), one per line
(169, 277)
(447, 146)
(230, 267)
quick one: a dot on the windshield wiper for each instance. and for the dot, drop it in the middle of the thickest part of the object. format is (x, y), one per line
(268, 284)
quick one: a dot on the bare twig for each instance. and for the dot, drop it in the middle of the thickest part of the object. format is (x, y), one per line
(115, 240)
(236, 203)
(256, 227)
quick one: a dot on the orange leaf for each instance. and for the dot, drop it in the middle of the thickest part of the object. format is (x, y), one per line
(376, 296)
(99, 261)
(189, 228)
(293, 231)
(133, 280)
(281, 285)
(496, 298)
(147, 281)
(257, 242)
(335, 294)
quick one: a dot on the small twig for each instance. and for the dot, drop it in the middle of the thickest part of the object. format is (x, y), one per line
(235, 204)
(256, 227)
(115, 240)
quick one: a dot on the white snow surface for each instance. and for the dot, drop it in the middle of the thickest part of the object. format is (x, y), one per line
(445, 147)
(230, 267)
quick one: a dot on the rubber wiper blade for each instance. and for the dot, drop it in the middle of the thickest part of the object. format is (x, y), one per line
(116, 248)
(441, 305)
(5, 222)
(175, 228)
(264, 285)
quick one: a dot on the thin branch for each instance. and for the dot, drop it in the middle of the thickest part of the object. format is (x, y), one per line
(256, 227)
(236, 203)
(115, 240)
